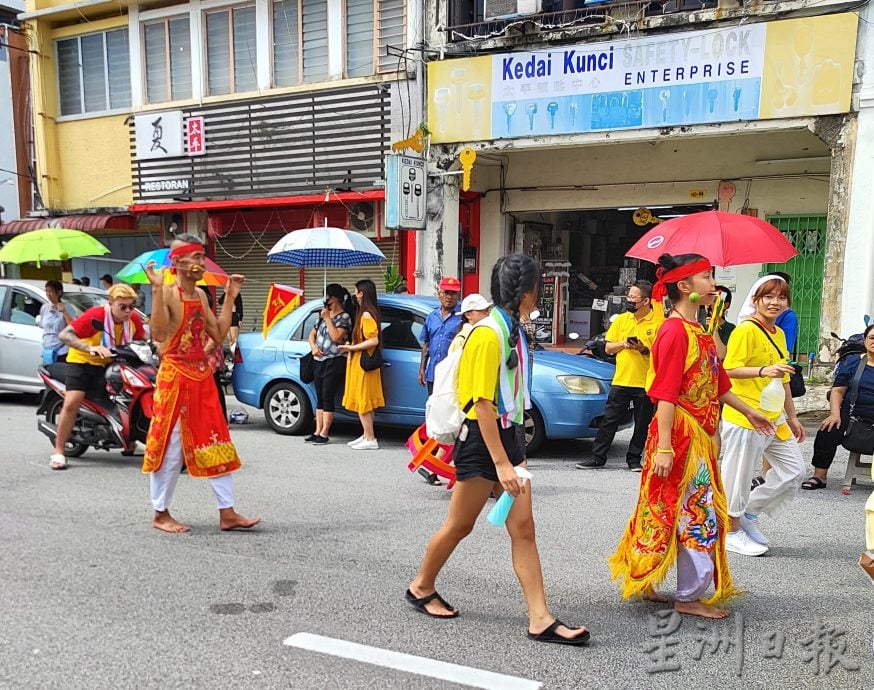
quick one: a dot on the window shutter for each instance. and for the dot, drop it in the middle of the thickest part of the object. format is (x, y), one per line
(218, 53)
(245, 50)
(286, 43)
(180, 59)
(392, 30)
(93, 72)
(156, 62)
(315, 40)
(359, 38)
(118, 60)
(69, 83)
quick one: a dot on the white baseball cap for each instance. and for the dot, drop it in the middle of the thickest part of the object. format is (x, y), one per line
(474, 302)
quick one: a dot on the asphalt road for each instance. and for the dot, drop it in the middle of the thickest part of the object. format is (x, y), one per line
(93, 597)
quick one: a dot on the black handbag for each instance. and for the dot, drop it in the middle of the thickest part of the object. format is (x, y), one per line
(859, 436)
(308, 368)
(371, 362)
(797, 387)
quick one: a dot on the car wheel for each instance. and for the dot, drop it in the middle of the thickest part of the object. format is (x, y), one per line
(535, 431)
(287, 409)
(53, 412)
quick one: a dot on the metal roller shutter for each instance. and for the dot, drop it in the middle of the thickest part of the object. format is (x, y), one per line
(347, 277)
(246, 253)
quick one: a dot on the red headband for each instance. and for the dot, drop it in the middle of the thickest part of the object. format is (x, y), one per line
(184, 249)
(660, 289)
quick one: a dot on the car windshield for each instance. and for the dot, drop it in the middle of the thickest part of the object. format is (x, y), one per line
(80, 301)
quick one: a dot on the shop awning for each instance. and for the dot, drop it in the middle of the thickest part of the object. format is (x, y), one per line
(230, 204)
(86, 222)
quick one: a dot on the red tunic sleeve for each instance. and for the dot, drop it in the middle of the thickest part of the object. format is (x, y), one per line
(669, 361)
(724, 383)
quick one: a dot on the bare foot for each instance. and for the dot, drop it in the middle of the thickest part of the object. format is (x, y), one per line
(435, 607)
(696, 608)
(165, 522)
(652, 595)
(231, 520)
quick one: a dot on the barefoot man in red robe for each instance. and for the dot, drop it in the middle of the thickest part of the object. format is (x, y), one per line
(188, 424)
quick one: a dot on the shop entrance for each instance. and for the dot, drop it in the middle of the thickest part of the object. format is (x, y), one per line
(582, 256)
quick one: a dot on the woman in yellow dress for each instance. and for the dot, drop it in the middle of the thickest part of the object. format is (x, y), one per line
(363, 392)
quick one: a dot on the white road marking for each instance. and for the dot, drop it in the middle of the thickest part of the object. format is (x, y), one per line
(423, 666)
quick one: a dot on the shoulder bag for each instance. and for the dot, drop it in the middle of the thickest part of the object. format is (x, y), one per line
(308, 368)
(797, 386)
(859, 436)
(371, 362)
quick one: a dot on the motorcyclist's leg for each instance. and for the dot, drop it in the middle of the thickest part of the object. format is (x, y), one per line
(72, 403)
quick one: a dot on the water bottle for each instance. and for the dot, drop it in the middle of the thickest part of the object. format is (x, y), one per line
(773, 396)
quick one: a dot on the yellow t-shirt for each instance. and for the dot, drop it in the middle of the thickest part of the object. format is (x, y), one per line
(88, 327)
(748, 347)
(478, 369)
(632, 366)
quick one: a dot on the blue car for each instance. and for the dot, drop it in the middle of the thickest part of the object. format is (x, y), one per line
(568, 391)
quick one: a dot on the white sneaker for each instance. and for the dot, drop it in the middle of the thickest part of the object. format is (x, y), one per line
(740, 542)
(750, 525)
(366, 445)
(354, 443)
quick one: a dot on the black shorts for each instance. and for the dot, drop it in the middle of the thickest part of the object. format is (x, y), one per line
(235, 320)
(87, 378)
(330, 375)
(472, 458)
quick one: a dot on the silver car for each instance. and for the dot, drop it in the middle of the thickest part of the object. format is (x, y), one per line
(20, 333)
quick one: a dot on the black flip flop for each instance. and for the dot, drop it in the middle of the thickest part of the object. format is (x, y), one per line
(813, 483)
(419, 604)
(550, 635)
(432, 479)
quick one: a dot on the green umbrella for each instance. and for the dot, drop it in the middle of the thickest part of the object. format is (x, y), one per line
(50, 244)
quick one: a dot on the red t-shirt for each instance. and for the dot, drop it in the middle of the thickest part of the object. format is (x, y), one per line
(88, 326)
(670, 358)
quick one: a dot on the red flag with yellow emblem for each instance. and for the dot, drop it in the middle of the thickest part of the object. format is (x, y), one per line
(281, 300)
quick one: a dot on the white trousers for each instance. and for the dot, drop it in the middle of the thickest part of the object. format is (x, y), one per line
(163, 482)
(741, 450)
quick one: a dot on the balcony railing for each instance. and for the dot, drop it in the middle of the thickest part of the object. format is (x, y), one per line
(468, 21)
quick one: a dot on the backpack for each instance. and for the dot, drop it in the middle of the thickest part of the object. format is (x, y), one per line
(444, 414)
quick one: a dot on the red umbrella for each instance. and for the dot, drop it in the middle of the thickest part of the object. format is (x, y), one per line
(726, 239)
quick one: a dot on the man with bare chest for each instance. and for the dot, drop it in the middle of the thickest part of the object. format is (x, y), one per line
(188, 424)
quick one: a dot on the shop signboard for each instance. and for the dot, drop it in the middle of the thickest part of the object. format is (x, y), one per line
(158, 135)
(404, 192)
(776, 69)
(196, 135)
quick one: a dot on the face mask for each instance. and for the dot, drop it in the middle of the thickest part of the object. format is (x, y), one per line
(631, 306)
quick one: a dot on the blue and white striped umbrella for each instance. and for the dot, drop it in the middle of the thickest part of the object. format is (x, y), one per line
(325, 247)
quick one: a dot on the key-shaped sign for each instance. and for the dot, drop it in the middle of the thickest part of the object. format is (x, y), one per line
(466, 158)
(415, 142)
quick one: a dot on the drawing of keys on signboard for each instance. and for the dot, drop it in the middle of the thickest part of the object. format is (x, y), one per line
(466, 158)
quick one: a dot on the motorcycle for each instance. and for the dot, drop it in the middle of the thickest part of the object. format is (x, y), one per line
(855, 344)
(117, 420)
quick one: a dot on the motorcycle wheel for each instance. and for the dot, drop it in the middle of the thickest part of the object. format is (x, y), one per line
(53, 412)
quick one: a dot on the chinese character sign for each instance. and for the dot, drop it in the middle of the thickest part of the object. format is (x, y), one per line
(158, 135)
(195, 136)
(748, 72)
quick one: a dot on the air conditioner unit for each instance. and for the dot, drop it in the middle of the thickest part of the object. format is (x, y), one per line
(497, 9)
(363, 218)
